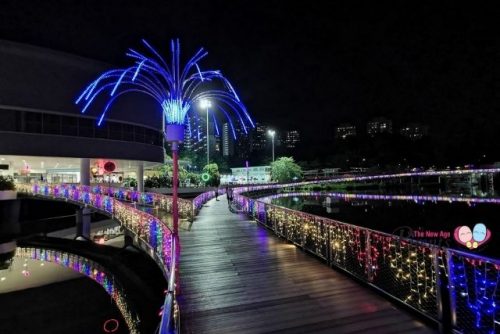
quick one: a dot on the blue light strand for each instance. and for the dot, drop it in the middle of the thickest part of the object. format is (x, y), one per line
(174, 88)
(476, 291)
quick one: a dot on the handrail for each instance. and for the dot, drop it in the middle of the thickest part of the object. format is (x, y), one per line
(343, 178)
(456, 289)
(150, 230)
(92, 270)
(169, 311)
(362, 196)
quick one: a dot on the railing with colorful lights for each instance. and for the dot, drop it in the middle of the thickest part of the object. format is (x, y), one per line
(146, 228)
(344, 178)
(438, 282)
(90, 269)
(150, 231)
(381, 197)
(163, 202)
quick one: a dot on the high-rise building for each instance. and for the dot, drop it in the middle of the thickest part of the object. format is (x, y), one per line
(414, 131)
(344, 131)
(227, 141)
(379, 125)
(196, 135)
(292, 138)
(258, 138)
(242, 144)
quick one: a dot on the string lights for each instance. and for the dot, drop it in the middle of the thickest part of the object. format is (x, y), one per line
(90, 269)
(406, 269)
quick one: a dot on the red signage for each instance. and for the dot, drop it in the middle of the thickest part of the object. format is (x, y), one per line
(109, 166)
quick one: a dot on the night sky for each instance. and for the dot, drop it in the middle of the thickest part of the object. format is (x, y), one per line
(308, 65)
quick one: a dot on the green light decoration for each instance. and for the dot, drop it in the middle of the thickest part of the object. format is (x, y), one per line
(205, 177)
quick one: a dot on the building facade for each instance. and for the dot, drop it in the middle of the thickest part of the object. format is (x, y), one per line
(41, 128)
(414, 131)
(344, 131)
(292, 139)
(378, 126)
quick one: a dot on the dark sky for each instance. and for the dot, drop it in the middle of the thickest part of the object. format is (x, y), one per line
(306, 65)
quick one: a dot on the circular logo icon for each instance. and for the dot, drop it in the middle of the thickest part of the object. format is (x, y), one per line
(109, 166)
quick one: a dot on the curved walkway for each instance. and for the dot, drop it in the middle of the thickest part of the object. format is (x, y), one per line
(237, 277)
(140, 277)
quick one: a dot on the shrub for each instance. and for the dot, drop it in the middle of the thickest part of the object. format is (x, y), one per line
(7, 183)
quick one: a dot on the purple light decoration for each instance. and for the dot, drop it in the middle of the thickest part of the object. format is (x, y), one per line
(415, 198)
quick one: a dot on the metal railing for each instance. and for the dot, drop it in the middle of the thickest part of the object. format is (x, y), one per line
(150, 233)
(457, 290)
(92, 270)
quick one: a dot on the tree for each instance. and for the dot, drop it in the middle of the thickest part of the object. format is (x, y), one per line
(285, 170)
(213, 172)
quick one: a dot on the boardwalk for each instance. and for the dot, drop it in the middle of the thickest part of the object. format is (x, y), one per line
(237, 277)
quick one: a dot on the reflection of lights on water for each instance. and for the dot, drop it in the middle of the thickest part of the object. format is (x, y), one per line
(26, 273)
(295, 199)
(111, 325)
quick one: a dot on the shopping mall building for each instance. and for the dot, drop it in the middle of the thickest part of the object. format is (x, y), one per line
(43, 134)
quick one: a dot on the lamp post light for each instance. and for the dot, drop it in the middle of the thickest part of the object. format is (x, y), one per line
(205, 104)
(272, 133)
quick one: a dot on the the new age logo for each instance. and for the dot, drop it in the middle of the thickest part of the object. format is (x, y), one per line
(472, 239)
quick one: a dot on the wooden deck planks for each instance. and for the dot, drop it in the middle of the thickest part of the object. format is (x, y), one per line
(237, 277)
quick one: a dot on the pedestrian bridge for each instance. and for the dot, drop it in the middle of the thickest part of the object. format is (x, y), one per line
(242, 274)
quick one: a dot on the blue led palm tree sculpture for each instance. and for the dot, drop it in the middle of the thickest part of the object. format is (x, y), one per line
(176, 89)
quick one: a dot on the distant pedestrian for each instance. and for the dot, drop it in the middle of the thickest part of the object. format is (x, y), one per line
(229, 194)
(216, 193)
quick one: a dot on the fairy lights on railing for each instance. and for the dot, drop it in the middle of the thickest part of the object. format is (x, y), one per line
(474, 286)
(341, 179)
(375, 197)
(90, 269)
(405, 269)
(146, 227)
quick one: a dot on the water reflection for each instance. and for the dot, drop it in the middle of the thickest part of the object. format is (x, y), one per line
(34, 267)
(428, 218)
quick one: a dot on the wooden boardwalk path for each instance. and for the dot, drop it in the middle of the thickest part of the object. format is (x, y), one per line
(237, 277)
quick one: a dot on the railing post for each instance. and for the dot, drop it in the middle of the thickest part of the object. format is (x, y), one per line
(451, 287)
(368, 251)
(441, 284)
(328, 245)
(303, 234)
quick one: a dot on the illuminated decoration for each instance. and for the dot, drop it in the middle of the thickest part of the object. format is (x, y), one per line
(147, 228)
(341, 179)
(205, 177)
(406, 269)
(175, 89)
(92, 270)
(187, 209)
(474, 285)
(140, 223)
(111, 326)
(376, 197)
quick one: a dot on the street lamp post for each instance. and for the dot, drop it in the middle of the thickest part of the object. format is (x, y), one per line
(272, 133)
(205, 104)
